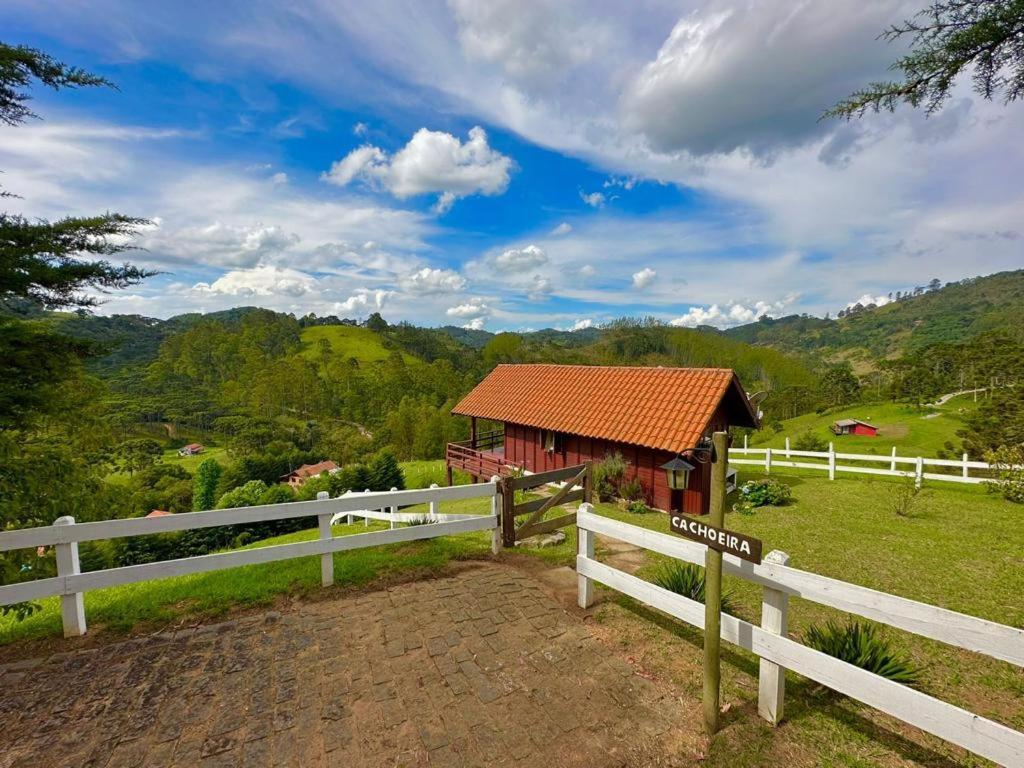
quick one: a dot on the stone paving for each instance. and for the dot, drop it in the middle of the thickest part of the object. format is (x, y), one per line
(481, 668)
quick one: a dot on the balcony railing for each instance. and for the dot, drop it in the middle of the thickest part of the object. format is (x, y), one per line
(483, 457)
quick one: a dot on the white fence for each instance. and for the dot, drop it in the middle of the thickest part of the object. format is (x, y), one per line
(777, 652)
(783, 457)
(71, 584)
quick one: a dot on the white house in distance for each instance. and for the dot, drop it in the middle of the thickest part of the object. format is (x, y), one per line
(192, 449)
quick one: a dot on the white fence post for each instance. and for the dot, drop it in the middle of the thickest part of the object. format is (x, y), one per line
(496, 514)
(72, 606)
(744, 442)
(771, 679)
(392, 510)
(366, 520)
(831, 461)
(767, 461)
(919, 472)
(966, 474)
(433, 505)
(892, 465)
(326, 560)
(787, 450)
(584, 586)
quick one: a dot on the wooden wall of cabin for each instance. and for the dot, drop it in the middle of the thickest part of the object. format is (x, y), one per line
(524, 446)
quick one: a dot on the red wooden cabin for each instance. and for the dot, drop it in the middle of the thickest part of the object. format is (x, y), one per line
(854, 427)
(555, 416)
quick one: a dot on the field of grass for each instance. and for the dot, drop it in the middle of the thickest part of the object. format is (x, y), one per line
(914, 431)
(346, 341)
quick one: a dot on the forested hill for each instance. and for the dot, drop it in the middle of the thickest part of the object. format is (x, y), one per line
(952, 313)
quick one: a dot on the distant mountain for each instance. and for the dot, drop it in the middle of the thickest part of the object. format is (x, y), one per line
(955, 312)
(468, 336)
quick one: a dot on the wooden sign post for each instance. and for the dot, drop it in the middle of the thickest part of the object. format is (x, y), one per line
(713, 587)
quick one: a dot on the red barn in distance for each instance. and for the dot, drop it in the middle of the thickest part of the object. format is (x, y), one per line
(555, 416)
(854, 427)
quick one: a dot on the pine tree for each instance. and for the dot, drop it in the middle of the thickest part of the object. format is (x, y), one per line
(385, 473)
(204, 495)
(948, 37)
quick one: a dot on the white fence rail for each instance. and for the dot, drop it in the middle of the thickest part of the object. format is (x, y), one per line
(71, 584)
(783, 457)
(777, 652)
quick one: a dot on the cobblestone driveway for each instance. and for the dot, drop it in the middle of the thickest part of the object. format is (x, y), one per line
(481, 668)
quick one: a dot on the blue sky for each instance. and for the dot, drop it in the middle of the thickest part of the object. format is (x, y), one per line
(511, 164)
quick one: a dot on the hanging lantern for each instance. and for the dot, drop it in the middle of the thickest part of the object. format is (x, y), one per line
(678, 471)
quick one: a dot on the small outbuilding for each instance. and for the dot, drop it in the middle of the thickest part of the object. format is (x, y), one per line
(854, 427)
(192, 449)
(555, 416)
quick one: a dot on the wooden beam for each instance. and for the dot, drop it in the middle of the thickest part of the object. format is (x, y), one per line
(545, 526)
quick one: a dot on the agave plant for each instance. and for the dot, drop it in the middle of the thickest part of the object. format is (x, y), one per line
(861, 645)
(687, 579)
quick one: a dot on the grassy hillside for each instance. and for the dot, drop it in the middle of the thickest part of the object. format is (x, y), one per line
(346, 341)
(954, 313)
(914, 432)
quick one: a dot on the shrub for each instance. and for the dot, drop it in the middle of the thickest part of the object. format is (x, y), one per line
(1008, 463)
(903, 500)
(638, 508)
(608, 474)
(687, 579)
(762, 493)
(808, 441)
(860, 644)
(422, 520)
(632, 490)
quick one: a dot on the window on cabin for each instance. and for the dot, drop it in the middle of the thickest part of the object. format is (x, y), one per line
(552, 441)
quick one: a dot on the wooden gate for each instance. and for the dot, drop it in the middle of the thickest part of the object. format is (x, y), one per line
(576, 486)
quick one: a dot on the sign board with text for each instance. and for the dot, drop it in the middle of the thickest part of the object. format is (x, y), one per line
(720, 539)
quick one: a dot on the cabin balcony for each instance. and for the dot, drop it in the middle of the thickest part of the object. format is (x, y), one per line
(482, 456)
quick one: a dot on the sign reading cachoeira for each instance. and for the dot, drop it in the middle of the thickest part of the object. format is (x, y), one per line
(730, 542)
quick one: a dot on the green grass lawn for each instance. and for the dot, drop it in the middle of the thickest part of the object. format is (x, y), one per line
(902, 426)
(346, 341)
(191, 463)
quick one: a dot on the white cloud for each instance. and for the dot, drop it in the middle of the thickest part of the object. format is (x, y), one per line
(428, 281)
(867, 298)
(260, 281)
(432, 162)
(476, 324)
(279, 178)
(475, 307)
(517, 259)
(539, 287)
(594, 199)
(562, 229)
(360, 129)
(364, 301)
(643, 278)
(731, 314)
(587, 270)
(583, 324)
(242, 245)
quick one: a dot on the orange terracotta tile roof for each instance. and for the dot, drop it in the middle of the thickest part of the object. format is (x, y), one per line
(663, 408)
